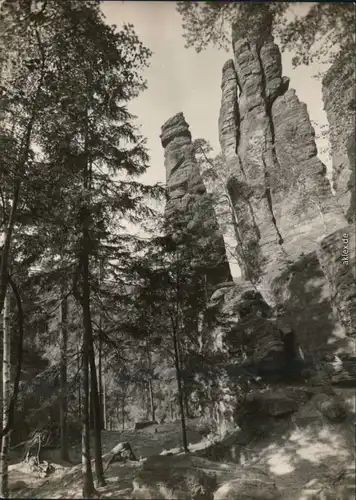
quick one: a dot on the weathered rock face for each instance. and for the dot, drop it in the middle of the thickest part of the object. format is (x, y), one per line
(339, 95)
(290, 222)
(336, 255)
(279, 187)
(188, 202)
(310, 309)
(262, 343)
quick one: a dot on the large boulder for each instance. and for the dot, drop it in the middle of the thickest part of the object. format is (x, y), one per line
(331, 407)
(248, 489)
(341, 369)
(174, 477)
(120, 453)
(275, 402)
(324, 408)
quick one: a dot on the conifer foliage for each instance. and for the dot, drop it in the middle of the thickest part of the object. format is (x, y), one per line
(70, 151)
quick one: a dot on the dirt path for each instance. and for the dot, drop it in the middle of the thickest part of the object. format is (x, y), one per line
(66, 481)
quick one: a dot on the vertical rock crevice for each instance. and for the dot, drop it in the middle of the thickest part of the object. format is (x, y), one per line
(237, 182)
(274, 159)
(258, 74)
(280, 192)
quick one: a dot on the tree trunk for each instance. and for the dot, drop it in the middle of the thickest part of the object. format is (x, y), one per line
(88, 328)
(152, 403)
(150, 384)
(104, 404)
(123, 412)
(6, 250)
(186, 401)
(6, 397)
(100, 381)
(79, 382)
(100, 356)
(88, 334)
(88, 486)
(63, 410)
(88, 483)
(117, 413)
(180, 392)
(20, 319)
(170, 407)
(91, 406)
(97, 421)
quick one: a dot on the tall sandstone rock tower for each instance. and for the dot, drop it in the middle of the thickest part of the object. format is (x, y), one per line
(293, 233)
(188, 203)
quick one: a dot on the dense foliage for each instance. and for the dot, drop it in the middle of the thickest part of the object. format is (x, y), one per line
(324, 32)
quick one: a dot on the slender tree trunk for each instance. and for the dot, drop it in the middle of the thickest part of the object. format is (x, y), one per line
(186, 401)
(150, 384)
(100, 382)
(87, 353)
(6, 250)
(170, 407)
(118, 417)
(100, 356)
(79, 382)
(99, 469)
(87, 323)
(88, 483)
(152, 403)
(123, 412)
(6, 397)
(13, 399)
(104, 404)
(88, 333)
(91, 407)
(180, 392)
(64, 455)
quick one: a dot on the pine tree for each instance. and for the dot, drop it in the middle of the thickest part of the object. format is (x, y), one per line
(21, 103)
(169, 298)
(87, 72)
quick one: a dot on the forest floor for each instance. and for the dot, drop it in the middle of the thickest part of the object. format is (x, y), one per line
(65, 481)
(301, 461)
